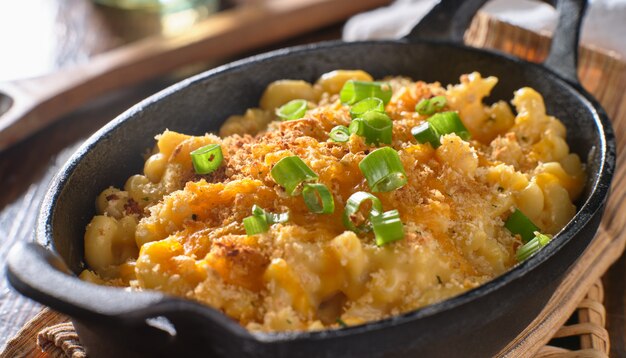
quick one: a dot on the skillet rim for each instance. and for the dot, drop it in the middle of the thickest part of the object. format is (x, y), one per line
(598, 194)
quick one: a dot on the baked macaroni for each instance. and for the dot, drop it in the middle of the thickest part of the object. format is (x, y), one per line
(173, 230)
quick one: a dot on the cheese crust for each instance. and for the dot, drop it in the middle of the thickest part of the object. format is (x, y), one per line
(172, 230)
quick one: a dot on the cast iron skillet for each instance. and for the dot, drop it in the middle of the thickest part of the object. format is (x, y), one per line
(114, 323)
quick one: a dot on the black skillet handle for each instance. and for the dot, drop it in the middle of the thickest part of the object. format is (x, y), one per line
(563, 55)
(38, 273)
(448, 20)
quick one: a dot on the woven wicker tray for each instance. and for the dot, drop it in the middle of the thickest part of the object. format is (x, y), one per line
(572, 323)
(604, 75)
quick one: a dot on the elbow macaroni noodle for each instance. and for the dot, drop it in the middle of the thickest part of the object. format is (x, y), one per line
(170, 229)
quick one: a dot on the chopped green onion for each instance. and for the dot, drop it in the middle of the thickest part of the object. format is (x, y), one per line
(366, 105)
(424, 133)
(207, 159)
(438, 102)
(290, 172)
(257, 210)
(375, 127)
(339, 134)
(352, 207)
(354, 91)
(292, 110)
(318, 198)
(357, 127)
(261, 220)
(449, 122)
(255, 225)
(532, 246)
(520, 224)
(438, 125)
(383, 170)
(431, 105)
(341, 323)
(270, 217)
(387, 227)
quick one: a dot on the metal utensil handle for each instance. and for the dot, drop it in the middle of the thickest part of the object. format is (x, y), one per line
(448, 20)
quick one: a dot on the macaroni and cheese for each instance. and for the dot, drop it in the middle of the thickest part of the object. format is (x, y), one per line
(173, 230)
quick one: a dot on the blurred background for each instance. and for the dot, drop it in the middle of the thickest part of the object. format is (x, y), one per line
(40, 36)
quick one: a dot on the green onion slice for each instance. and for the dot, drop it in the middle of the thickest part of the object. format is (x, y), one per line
(261, 220)
(387, 227)
(207, 159)
(431, 105)
(357, 127)
(318, 198)
(449, 122)
(292, 110)
(375, 127)
(424, 133)
(354, 91)
(255, 225)
(532, 246)
(366, 105)
(270, 217)
(352, 207)
(520, 224)
(383, 170)
(339, 134)
(290, 172)
(438, 125)
(438, 102)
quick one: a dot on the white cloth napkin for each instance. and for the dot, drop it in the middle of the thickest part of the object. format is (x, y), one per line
(604, 25)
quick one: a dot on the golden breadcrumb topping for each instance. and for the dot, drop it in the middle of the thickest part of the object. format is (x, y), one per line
(173, 230)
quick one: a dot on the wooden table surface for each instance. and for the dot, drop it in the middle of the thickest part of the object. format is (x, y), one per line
(41, 36)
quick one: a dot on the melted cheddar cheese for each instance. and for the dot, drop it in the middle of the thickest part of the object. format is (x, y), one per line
(175, 231)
